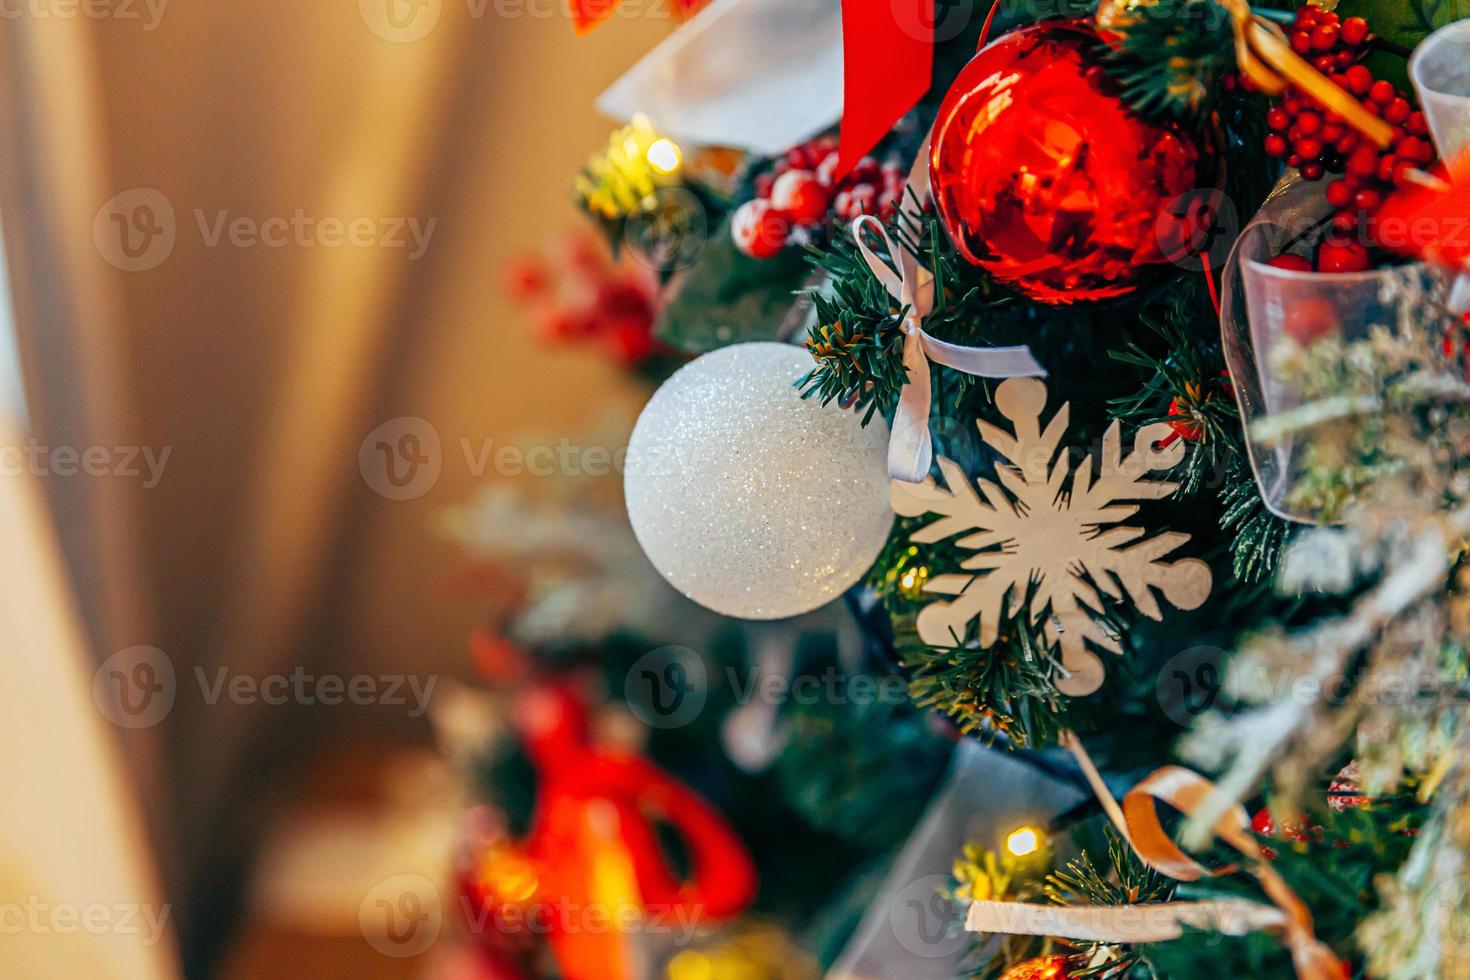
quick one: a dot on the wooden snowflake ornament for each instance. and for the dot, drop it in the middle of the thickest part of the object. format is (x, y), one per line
(1060, 541)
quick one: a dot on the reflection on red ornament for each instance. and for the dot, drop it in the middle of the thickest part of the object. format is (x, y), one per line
(1046, 180)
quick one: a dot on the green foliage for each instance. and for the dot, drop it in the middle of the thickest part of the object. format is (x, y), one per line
(1171, 56)
(503, 775)
(867, 790)
(1189, 387)
(1402, 23)
(1118, 879)
(1332, 871)
(969, 308)
(729, 298)
(1004, 692)
(1258, 537)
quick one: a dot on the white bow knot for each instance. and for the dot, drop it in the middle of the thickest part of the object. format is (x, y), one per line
(910, 448)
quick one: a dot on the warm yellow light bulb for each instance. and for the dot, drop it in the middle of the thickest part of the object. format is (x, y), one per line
(1023, 841)
(664, 156)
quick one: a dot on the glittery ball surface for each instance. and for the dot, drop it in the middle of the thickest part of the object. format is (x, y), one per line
(749, 499)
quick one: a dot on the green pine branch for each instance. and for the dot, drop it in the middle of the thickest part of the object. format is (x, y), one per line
(1171, 57)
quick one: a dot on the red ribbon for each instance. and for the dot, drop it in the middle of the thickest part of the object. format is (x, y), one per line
(887, 66)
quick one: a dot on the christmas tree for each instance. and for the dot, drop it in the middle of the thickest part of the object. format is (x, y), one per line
(1096, 396)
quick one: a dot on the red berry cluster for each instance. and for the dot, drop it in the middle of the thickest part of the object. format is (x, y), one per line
(578, 293)
(1320, 142)
(799, 191)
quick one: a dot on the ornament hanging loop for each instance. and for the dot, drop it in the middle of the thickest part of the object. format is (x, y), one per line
(911, 448)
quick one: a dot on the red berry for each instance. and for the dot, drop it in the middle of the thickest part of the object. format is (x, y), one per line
(1309, 319)
(1185, 424)
(866, 170)
(1309, 147)
(1398, 110)
(1324, 37)
(527, 277)
(856, 201)
(1306, 15)
(1344, 58)
(1308, 124)
(556, 323)
(1359, 79)
(1387, 164)
(1313, 171)
(1275, 145)
(1325, 63)
(827, 169)
(1342, 255)
(1301, 42)
(800, 197)
(1347, 143)
(1354, 31)
(1294, 160)
(1367, 199)
(1344, 223)
(1362, 162)
(1381, 93)
(1339, 193)
(1291, 263)
(1277, 119)
(758, 229)
(630, 340)
(1416, 124)
(1415, 149)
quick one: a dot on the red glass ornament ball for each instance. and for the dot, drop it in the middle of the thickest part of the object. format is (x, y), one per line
(1048, 181)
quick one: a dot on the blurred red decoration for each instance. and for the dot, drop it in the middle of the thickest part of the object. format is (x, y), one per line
(1040, 968)
(1430, 222)
(578, 294)
(758, 229)
(1319, 142)
(587, 14)
(499, 659)
(804, 189)
(1044, 177)
(1337, 254)
(593, 850)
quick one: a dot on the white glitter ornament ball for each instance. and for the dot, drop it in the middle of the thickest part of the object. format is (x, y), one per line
(749, 499)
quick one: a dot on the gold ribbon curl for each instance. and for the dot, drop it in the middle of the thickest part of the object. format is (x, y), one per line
(1266, 58)
(1138, 821)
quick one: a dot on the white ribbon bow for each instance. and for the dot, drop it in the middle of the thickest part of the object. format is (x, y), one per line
(910, 448)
